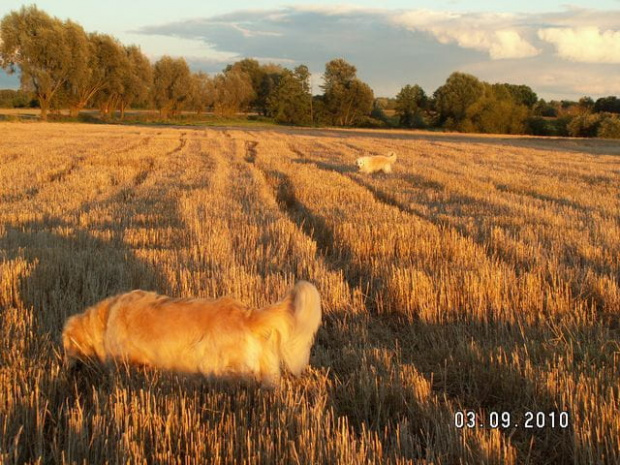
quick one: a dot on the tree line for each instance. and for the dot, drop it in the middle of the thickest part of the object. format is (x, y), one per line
(63, 66)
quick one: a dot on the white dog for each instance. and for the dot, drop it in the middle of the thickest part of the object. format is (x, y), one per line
(214, 337)
(377, 163)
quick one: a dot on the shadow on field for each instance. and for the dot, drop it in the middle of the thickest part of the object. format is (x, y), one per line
(552, 144)
(373, 367)
(381, 369)
(338, 167)
(70, 267)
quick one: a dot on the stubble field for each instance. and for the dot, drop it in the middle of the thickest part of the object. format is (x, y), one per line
(482, 275)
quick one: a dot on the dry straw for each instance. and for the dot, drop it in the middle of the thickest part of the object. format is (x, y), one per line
(482, 274)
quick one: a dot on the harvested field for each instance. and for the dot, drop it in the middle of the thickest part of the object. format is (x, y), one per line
(483, 275)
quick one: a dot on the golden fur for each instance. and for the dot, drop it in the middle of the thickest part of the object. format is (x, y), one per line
(213, 337)
(373, 164)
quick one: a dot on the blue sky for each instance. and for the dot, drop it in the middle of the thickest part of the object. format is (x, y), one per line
(562, 50)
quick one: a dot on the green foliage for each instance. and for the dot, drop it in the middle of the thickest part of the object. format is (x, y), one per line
(137, 81)
(585, 125)
(171, 85)
(609, 128)
(496, 112)
(454, 98)
(108, 69)
(201, 93)
(233, 92)
(347, 99)
(411, 101)
(10, 98)
(543, 108)
(378, 117)
(520, 94)
(609, 104)
(264, 80)
(586, 103)
(291, 102)
(47, 51)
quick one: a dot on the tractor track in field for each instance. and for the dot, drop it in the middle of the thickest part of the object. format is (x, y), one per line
(178, 148)
(336, 259)
(61, 174)
(141, 177)
(250, 151)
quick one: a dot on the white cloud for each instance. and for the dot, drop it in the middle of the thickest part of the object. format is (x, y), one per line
(584, 44)
(499, 35)
(250, 33)
(391, 48)
(553, 78)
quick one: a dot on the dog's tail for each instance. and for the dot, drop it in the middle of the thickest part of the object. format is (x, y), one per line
(305, 306)
(291, 325)
(392, 156)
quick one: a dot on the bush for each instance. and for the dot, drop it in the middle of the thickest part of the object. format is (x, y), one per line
(369, 122)
(495, 116)
(609, 128)
(540, 126)
(584, 125)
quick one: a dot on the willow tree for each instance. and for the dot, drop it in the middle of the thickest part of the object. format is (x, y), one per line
(201, 92)
(104, 70)
(47, 51)
(171, 85)
(137, 79)
(112, 66)
(233, 92)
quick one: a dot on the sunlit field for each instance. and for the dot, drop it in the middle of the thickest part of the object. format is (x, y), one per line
(482, 276)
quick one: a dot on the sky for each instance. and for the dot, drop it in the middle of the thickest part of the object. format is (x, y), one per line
(561, 50)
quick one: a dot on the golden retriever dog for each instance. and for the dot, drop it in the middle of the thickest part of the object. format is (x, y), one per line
(218, 337)
(374, 164)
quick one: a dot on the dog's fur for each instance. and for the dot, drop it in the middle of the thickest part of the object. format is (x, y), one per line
(377, 163)
(214, 337)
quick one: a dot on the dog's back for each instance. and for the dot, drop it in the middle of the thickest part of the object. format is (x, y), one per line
(213, 337)
(374, 164)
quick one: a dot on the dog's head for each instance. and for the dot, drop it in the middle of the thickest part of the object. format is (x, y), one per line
(360, 162)
(75, 340)
(82, 335)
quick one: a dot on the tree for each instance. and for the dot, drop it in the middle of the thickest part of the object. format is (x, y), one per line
(586, 104)
(271, 78)
(47, 51)
(291, 101)
(609, 128)
(410, 103)
(201, 92)
(81, 69)
(15, 99)
(609, 104)
(455, 96)
(171, 85)
(137, 79)
(346, 98)
(111, 71)
(521, 94)
(585, 125)
(104, 69)
(543, 108)
(252, 68)
(496, 112)
(232, 92)
(493, 116)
